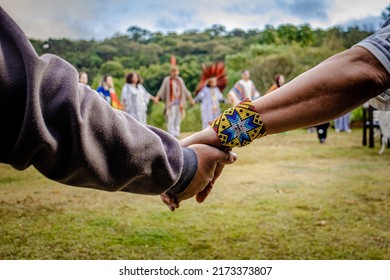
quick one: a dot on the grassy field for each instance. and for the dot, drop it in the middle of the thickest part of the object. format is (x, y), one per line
(287, 197)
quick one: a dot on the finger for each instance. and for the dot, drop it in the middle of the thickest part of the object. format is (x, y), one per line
(201, 196)
(170, 201)
(165, 200)
(217, 172)
(220, 166)
(225, 157)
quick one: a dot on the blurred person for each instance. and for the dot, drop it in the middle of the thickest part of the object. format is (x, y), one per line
(209, 98)
(278, 82)
(322, 131)
(106, 85)
(174, 93)
(83, 78)
(243, 89)
(106, 90)
(135, 98)
(343, 123)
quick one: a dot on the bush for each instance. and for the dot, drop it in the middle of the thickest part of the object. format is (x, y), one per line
(192, 121)
(156, 115)
(113, 68)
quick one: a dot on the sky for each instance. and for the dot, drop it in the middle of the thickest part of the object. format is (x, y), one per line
(97, 19)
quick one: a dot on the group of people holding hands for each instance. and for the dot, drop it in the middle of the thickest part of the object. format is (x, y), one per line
(134, 97)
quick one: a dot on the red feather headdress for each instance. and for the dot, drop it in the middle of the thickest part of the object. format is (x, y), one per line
(216, 70)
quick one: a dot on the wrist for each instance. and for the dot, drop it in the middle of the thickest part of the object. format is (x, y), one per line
(238, 126)
(206, 136)
(190, 167)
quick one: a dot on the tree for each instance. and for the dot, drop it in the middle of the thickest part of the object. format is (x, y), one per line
(138, 34)
(333, 39)
(305, 35)
(237, 32)
(287, 33)
(386, 13)
(268, 36)
(216, 30)
(113, 68)
(191, 32)
(354, 35)
(238, 61)
(106, 51)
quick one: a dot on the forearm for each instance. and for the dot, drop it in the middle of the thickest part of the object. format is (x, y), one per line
(70, 134)
(331, 89)
(189, 96)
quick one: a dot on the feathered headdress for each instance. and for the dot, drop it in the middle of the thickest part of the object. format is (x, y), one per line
(173, 60)
(216, 70)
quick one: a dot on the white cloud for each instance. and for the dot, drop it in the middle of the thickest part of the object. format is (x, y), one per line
(101, 19)
(352, 10)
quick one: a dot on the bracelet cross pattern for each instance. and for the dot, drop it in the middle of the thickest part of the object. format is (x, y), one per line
(239, 125)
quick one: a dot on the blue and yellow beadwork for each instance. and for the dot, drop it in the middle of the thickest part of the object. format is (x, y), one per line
(239, 125)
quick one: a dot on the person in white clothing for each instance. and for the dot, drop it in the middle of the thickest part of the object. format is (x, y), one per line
(135, 98)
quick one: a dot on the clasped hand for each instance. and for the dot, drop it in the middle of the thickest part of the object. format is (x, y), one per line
(211, 161)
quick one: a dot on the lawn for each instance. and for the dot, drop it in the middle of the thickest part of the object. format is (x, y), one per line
(287, 197)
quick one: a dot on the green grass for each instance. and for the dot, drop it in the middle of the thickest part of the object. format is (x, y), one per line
(287, 197)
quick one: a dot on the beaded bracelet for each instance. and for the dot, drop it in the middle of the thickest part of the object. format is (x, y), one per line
(239, 125)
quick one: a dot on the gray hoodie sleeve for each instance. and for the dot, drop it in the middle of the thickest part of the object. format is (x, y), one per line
(71, 135)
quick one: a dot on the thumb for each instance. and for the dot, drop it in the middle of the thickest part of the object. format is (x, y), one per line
(225, 157)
